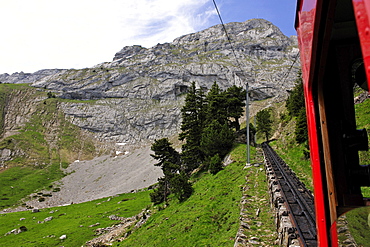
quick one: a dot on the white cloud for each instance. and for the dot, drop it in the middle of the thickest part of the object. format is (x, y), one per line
(40, 34)
(156, 21)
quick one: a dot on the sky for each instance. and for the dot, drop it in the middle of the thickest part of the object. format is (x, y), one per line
(64, 34)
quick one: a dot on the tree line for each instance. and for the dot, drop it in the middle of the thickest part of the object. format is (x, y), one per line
(295, 105)
(209, 122)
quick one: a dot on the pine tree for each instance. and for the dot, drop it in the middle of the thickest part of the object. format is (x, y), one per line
(181, 187)
(264, 122)
(301, 133)
(235, 97)
(295, 105)
(168, 157)
(295, 101)
(215, 164)
(216, 106)
(160, 194)
(193, 118)
(169, 161)
(217, 139)
(252, 134)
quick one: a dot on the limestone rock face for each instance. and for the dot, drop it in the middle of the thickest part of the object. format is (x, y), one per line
(21, 77)
(138, 96)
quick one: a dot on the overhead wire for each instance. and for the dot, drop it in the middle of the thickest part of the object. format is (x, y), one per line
(233, 50)
(227, 35)
(290, 69)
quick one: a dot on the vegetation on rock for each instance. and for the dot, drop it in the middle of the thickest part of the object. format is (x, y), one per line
(38, 147)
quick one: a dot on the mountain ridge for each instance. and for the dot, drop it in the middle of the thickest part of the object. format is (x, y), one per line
(138, 95)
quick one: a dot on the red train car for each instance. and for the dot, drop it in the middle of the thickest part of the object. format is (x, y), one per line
(334, 42)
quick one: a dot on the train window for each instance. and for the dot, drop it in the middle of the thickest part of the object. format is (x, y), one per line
(362, 110)
(358, 74)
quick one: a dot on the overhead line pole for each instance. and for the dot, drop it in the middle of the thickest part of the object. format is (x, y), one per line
(247, 120)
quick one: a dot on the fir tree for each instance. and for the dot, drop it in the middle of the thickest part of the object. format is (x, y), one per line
(181, 187)
(264, 122)
(193, 118)
(217, 139)
(161, 192)
(295, 105)
(215, 164)
(295, 101)
(168, 157)
(252, 134)
(169, 161)
(216, 105)
(301, 134)
(235, 97)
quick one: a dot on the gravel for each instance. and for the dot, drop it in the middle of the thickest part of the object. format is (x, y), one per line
(101, 177)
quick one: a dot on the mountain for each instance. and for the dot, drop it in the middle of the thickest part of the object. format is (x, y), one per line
(137, 97)
(21, 77)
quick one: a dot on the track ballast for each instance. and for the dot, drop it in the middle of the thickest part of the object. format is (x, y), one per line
(298, 200)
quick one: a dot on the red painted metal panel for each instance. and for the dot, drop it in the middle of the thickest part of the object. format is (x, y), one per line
(362, 12)
(321, 220)
(307, 29)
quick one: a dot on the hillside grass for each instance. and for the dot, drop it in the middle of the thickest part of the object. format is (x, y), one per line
(293, 155)
(210, 217)
(73, 220)
(46, 143)
(363, 122)
(359, 225)
(17, 183)
(285, 145)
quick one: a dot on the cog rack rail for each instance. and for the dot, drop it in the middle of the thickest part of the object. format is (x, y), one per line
(298, 199)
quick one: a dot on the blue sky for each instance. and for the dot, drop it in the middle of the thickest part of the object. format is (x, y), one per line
(280, 12)
(47, 34)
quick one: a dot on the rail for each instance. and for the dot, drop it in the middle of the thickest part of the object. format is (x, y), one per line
(298, 200)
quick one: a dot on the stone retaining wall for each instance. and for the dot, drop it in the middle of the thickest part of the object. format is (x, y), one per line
(284, 226)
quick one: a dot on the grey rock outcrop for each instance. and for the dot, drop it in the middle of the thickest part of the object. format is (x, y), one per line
(138, 96)
(21, 77)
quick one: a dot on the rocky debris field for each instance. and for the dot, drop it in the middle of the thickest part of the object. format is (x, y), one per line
(101, 177)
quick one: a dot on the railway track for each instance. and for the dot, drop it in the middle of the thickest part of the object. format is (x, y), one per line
(298, 200)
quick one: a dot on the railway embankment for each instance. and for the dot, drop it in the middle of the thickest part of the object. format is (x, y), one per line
(284, 225)
(285, 216)
(292, 202)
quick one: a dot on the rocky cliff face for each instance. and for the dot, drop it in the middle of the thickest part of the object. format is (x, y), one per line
(21, 77)
(138, 96)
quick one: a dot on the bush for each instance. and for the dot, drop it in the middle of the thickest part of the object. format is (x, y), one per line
(51, 95)
(181, 187)
(215, 164)
(157, 196)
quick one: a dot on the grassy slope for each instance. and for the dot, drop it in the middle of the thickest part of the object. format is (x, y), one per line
(293, 156)
(286, 146)
(210, 217)
(359, 225)
(73, 220)
(36, 164)
(18, 182)
(363, 122)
